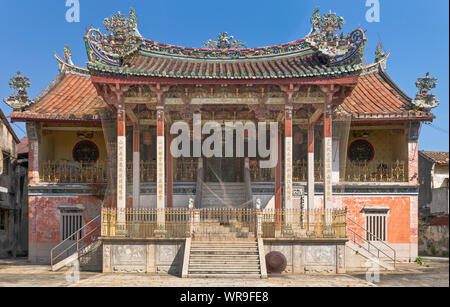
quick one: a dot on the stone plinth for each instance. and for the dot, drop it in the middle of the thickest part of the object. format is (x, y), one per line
(124, 255)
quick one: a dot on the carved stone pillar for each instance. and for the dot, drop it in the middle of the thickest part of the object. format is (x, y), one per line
(328, 157)
(288, 154)
(136, 166)
(160, 167)
(121, 164)
(33, 156)
(169, 171)
(278, 188)
(329, 91)
(311, 178)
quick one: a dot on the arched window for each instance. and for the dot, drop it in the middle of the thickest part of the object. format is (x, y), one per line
(85, 151)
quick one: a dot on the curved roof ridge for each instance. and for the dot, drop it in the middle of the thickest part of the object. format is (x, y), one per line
(224, 50)
(374, 67)
(394, 85)
(66, 67)
(118, 51)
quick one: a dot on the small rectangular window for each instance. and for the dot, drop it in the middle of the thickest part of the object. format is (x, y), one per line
(376, 226)
(6, 162)
(71, 222)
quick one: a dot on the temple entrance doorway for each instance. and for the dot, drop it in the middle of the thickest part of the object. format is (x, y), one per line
(229, 170)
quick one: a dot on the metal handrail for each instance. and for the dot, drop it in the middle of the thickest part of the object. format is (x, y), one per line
(394, 259)
(79, 238)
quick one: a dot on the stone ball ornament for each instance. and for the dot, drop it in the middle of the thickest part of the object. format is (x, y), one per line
(276, 262)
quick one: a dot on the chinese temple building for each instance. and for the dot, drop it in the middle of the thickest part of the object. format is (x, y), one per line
(104, 172)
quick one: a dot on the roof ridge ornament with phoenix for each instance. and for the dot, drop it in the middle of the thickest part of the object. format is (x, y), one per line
(224, 42)
(339, 49)
(124, 39)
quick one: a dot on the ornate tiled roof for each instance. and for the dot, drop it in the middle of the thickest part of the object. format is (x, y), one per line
(441, 158)
(376, 96)
(321, 53)
(123, 53)
(71, 96)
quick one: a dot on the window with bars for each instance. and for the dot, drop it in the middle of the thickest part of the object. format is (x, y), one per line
(6, 162)
(71, 222)
(376, 226)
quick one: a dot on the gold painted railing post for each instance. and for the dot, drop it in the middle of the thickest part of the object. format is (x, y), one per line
(259, 217)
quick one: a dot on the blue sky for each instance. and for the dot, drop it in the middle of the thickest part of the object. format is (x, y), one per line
(416, 32)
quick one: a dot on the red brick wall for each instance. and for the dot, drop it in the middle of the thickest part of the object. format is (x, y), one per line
(45, 220)
(399, 218)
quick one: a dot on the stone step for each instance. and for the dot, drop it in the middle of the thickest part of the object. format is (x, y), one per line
(217, 246)
(204, 260)
(226, 194)
(225, 269)
(224, 184)
(232, 266)
(221, 193)
(223, 257)
(249, 276)
(224, 249)
(224, 253)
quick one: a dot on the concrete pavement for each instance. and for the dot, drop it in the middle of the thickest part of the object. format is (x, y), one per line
(18, 273)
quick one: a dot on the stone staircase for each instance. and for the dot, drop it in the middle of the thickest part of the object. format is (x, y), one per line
(216, 230)
(216, 259)
(223, 195)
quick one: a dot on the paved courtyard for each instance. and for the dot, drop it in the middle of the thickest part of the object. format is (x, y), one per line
(18, 273)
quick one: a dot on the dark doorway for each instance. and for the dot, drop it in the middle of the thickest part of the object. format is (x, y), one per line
(224, 170)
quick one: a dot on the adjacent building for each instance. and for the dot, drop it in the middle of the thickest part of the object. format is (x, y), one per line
(13, 199)
(433, 177)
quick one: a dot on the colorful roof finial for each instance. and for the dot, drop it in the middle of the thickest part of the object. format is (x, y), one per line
(224, 42)
(68, 55)
(339, 49)
(123, 39)
(20, 97)
(328, 22)
(423, 99)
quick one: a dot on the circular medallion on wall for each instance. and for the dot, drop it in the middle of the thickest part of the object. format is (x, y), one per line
(276, 262)
(360, 151)
(85, 152)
